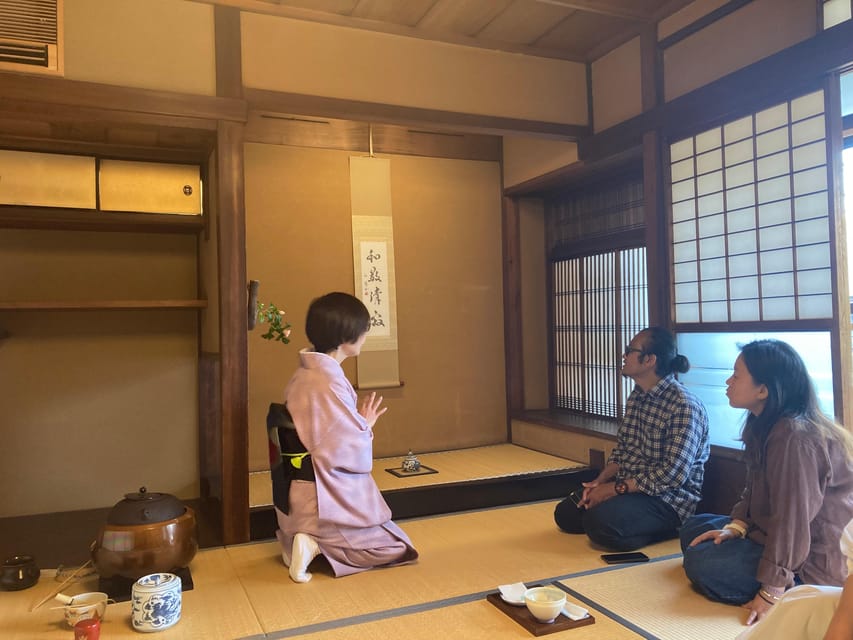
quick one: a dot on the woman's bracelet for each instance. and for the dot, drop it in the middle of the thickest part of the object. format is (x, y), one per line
(768, 597)
(734, 526)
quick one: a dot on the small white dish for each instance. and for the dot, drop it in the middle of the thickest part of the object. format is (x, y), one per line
(513, 601)
(513, 593)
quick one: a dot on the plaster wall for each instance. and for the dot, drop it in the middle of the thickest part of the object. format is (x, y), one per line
(281, 54)
(156, 44)
(755, 31)
(617, 92)
(528, 158)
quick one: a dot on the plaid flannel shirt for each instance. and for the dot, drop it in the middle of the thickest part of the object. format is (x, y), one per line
(663, 444)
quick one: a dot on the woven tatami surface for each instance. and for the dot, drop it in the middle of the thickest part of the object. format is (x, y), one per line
(657, 598)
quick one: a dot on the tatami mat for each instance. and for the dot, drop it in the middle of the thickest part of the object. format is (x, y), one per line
(657, 598)
(453, 466)
(461, 554)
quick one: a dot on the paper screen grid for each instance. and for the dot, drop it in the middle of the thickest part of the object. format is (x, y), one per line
(750, 218)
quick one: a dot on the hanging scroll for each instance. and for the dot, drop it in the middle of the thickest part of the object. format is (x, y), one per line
(373, 262)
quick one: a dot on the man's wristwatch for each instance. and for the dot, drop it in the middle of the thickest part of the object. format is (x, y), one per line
(621, 487)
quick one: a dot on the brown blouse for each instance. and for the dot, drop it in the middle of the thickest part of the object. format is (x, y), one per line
(797, 506)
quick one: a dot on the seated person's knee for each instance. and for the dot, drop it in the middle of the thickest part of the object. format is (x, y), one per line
(568, 517)
(602, 533)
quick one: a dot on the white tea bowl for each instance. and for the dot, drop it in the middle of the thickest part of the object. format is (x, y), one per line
(544, 603)
(84, 606)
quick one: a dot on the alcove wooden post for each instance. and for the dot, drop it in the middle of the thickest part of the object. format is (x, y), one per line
(233, 343)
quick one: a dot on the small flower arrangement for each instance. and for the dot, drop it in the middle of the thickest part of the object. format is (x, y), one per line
(279, 328)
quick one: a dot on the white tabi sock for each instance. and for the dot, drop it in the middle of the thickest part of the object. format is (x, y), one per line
(285, 553)
(304, 550)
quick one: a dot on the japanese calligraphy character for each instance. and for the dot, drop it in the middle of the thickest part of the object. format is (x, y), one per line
(374, 275)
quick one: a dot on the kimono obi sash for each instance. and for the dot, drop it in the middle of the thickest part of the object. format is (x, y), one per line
(289, 459)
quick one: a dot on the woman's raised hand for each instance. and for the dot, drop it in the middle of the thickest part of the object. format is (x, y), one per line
(370, 409)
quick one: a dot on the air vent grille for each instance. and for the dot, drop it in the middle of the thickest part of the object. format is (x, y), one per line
(19, 53)
(31, 36)
(28, 20)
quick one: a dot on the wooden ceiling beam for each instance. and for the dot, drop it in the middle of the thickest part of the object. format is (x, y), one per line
(120, 100)
(263, 100)
(614, 10)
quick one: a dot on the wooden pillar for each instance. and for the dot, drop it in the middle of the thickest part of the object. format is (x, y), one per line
(842, 359)
(655, 210)
(233, 328)
(512, 307)
(233, 320)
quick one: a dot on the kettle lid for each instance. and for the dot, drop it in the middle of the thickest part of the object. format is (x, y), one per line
(145, 507)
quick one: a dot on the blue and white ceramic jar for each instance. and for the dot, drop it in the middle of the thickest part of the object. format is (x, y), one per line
(411, 464)
(156, 602)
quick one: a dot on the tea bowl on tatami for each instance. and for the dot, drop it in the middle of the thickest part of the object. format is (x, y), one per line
(544, 603)
(83, 606)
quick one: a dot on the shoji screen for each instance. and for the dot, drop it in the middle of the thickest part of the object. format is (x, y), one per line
(750, 218)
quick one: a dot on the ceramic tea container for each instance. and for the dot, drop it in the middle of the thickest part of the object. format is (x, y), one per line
(156, 602)
(411, 464)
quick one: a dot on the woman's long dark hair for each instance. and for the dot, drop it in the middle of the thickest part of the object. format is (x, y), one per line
(790, 394)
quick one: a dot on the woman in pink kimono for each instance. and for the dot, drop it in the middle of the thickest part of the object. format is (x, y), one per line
(341, 514)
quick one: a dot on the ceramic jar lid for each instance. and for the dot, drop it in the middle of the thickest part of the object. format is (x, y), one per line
(145, 507)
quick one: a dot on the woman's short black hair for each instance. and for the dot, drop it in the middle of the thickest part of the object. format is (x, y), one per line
(335, 319)
(661, 343)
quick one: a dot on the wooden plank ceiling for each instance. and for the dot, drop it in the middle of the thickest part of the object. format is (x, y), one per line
(579, 30)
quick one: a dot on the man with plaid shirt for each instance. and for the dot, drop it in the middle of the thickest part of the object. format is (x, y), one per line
(653, 479)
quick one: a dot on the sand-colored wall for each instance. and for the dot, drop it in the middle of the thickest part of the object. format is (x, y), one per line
(155, 44)
(567, 444)
(616, 86)
(281, 54)
(527, 158)
(759, 29)
(446, 217)
(96, 404)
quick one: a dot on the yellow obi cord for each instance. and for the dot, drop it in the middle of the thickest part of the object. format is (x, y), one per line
(295, 458)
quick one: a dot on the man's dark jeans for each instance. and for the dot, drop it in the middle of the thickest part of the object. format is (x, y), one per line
(622, 523)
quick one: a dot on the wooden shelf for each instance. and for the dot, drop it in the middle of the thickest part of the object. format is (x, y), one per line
(84, 305)
(20, 217)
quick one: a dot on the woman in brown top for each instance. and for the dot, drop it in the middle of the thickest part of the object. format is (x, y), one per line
(798, 495)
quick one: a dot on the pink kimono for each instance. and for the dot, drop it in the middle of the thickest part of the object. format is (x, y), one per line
(343, 509)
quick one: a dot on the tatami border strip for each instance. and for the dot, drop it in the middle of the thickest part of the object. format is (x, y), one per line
(610, 614)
